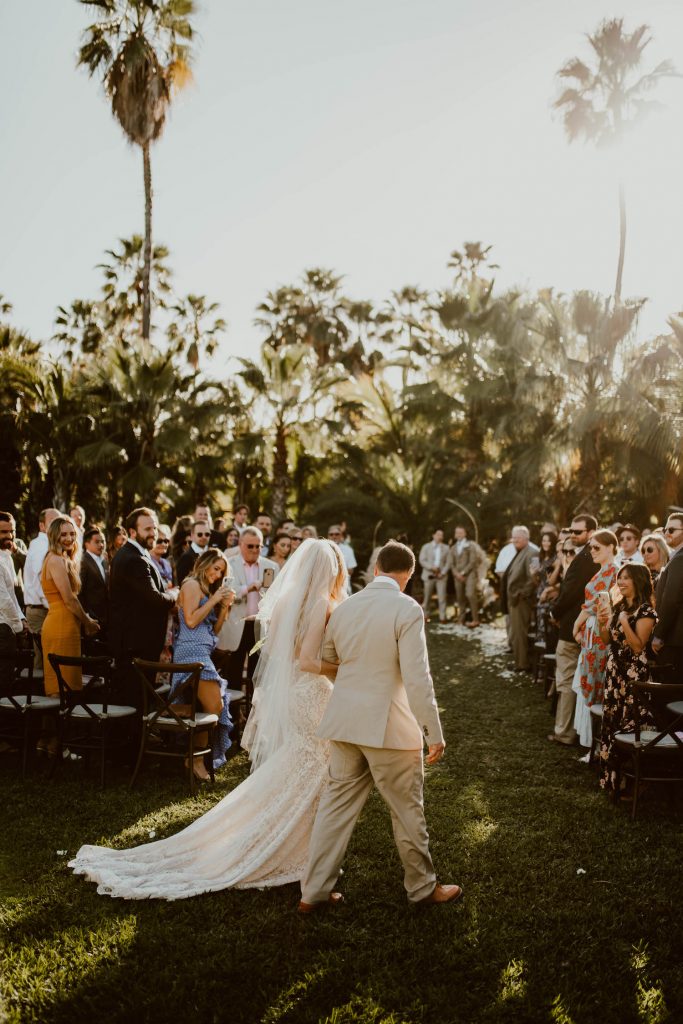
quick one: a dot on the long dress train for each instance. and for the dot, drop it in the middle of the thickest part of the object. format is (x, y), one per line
(256, 837)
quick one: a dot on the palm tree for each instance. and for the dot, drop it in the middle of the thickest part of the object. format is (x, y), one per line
(606, 99)
(141, 50)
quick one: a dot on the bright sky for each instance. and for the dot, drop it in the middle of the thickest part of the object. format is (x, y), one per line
(371, 137)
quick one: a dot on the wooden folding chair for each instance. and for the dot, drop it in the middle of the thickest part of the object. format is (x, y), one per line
(90, 709)
(161, 714)
(20, 703)
(648, 755)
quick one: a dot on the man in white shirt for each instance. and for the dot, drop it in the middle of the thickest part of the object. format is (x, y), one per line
(237, 637)
(199, 542)
(336, 534)
(629, 542)
(12, 621)
(434, 559)
(34, 598)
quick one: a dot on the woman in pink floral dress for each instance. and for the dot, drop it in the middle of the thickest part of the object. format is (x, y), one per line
(590, 670)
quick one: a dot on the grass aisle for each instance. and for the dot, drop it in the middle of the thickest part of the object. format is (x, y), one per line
(571, 912)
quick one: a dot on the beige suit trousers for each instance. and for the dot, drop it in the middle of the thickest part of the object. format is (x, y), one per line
(440, 586)
(466, 591)
(398, 775)
(567, 656)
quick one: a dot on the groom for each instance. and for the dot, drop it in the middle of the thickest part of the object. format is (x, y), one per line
(381, 712)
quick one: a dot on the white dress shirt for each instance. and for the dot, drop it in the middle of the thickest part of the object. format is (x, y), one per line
(10, 613)
(99, 559)
(33, 566)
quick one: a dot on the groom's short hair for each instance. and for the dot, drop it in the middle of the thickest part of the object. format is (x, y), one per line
(395, 557)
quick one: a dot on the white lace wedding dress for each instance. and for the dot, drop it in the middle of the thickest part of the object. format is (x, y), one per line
(258, 835)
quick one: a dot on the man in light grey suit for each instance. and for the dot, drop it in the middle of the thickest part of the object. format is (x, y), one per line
(381, 712)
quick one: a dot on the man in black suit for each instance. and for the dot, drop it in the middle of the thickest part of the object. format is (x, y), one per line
(94, 595)
(139, 605)
(565, 611)
(667, 641)
(200, 538)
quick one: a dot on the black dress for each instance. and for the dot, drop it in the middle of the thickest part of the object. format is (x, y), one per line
(624, 667)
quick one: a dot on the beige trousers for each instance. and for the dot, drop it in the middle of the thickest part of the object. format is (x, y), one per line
(520, 617)
(441, 586)
(467, 591)
(398, 775)
(35, 617)
(567, 655)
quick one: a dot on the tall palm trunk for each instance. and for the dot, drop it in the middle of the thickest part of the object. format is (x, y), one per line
(281, 478)
(622, 244)
(147, 271)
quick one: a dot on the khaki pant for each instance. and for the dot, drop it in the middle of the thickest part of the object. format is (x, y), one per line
(467, 591)
(35, 617)
(440, 585)
(398, 775)
(567, 655)
(520, 617)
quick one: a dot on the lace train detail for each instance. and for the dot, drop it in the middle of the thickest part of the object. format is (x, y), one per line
(256, 837)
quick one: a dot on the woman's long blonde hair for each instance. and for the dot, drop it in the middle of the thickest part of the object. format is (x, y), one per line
(73, 562)
(202, 566)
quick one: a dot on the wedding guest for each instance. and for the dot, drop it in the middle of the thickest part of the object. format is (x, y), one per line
(202, 514)
(232, 542)
(627, 629)
(12, 620)
(543, 572)
(309, 532)
(203, 605)
(237, 638)
(94, 593)
(629, 539)
(434, 560)
(159, 555)
(240, 517)
(61, 633)
(200, 540)
(282, 548)
(517, 594)
(77, 514)
(590, 670)
(656, 554)
(264, 523)
(139, 603)
(180, 537)
(35, 601)
(580, 570)
(116, 538)
(667, 642)
(296, 538)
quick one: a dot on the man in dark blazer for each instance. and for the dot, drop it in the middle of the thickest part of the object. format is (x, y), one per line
(667, 641)
(139, 605)
(565, 611)
(94, 595)
(200, 539)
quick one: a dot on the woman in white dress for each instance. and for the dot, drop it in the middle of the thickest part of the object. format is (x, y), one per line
(258, 835)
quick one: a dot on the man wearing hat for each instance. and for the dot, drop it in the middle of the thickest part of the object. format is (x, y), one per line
(629, 540)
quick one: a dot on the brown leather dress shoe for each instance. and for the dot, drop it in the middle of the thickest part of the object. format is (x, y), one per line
(333, 900)
(444, 894)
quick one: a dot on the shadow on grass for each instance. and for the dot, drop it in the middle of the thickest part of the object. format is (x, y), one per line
(510, 816)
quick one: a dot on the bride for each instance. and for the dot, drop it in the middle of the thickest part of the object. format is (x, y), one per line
(258, 835)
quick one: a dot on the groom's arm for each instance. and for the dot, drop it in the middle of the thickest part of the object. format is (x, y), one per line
(417, 679)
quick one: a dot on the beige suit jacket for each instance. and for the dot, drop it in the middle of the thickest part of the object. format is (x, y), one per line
(383, 695)
(428, 559)
(233, 627)
(465, 562)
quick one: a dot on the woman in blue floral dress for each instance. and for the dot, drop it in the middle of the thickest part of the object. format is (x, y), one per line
(203, 604)
(628, 630)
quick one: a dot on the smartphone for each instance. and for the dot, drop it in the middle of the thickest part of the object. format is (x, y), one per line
(268, 575)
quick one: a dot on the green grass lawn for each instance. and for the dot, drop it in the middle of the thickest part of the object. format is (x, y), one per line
(572, 913)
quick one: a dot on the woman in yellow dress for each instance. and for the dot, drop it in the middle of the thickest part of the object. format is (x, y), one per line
(61, 632)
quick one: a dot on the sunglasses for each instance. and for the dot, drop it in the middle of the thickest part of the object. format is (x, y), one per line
(673, 529)
(649, 551)
(594, 547)
(568, 551)
(577, 533)
(253, 547)
(202, 534)
(163, 541)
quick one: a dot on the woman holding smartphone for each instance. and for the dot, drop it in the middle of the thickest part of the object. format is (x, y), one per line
(203, 605)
